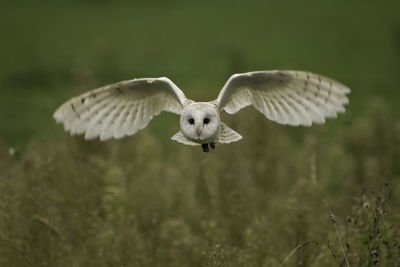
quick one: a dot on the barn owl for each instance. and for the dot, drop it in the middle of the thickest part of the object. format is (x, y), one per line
(295, 98)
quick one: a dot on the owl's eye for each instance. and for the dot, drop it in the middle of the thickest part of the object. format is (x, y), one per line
(191, 121)
(206, 120)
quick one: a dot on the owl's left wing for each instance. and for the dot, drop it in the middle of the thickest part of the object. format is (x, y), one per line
(287, 97)
(119, 109)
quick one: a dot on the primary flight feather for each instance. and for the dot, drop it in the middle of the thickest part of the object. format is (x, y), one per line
(121, 109)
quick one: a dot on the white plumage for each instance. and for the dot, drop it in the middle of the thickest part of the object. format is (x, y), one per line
(119, 109)
(287, 97)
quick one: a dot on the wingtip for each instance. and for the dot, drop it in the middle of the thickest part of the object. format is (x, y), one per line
(346, 90)
(57, 116)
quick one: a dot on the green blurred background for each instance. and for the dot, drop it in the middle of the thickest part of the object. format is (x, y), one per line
(203, 214)
(52, 50)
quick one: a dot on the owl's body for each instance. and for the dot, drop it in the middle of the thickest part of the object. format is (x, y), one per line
(287, 97)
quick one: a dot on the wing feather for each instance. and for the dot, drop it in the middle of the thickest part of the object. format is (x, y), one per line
(87, 115)
(111, 121)
(136, 122)
(118, 132)
(130, 120)
(272, 113)
(120, 109)
(119, 120)
(304, 118)
(287, 97)
(95, 125)
(293, 115)
(281, 116)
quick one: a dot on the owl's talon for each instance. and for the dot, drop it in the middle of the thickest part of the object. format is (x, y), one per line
(205, 147)
(212, 145)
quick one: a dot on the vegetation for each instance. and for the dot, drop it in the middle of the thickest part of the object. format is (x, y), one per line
(320, 196)
(148, 201)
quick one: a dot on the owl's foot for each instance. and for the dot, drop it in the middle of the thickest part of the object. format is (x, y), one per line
(212, 145)
(205, 147)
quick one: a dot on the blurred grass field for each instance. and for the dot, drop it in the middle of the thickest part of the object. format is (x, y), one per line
(147, 201)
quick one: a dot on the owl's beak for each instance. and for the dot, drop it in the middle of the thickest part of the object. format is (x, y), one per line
(198, 130)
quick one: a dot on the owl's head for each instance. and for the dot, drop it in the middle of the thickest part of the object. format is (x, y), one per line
(200, 122)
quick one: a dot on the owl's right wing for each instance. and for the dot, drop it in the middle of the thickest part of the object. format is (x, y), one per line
(287, 97)
(119, 109)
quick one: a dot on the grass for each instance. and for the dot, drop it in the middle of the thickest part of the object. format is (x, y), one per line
(148, 201)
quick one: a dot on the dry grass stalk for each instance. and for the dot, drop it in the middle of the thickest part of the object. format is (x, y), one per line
(296, 249)
(333, 220)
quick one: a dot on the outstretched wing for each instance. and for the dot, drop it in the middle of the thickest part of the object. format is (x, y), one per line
(287, 97)
(119, 109)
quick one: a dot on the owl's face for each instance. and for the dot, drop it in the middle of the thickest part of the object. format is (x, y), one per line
(200, 122)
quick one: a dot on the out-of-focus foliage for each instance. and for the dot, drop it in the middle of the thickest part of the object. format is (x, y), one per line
(144, 201)
(148, 201)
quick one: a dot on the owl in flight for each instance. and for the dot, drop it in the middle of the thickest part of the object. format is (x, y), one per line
(121, 109)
